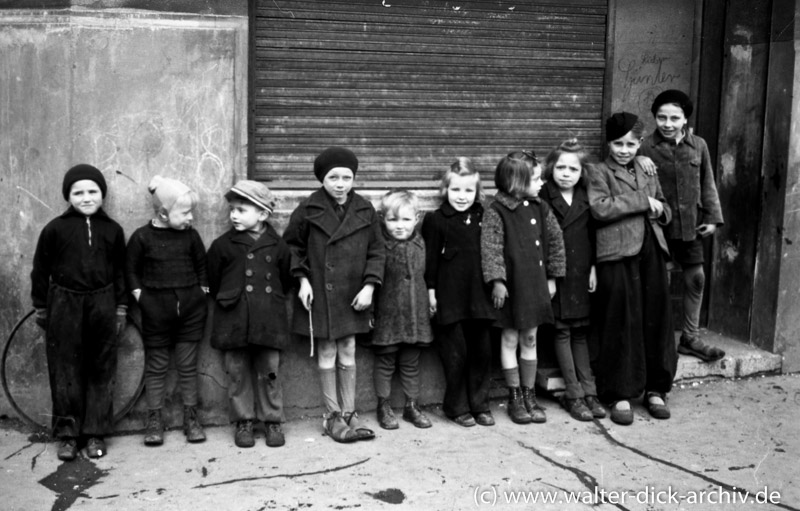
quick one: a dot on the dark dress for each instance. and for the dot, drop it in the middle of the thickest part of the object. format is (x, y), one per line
(464, 308)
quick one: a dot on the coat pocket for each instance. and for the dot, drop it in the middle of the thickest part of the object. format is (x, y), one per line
(229, 298)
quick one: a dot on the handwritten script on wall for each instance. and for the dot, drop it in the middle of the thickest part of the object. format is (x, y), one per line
(652, 53)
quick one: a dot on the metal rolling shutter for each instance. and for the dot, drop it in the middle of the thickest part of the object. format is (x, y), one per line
(410, 85)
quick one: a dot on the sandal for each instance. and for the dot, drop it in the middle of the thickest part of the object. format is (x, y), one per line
(337, 428)
(697, 348)
(351, 419)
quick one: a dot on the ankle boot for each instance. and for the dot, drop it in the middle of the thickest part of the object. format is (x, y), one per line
(191, 426)
(516, 407)
(386, 417)
(529, 399)
(414, 415)
(154, 434)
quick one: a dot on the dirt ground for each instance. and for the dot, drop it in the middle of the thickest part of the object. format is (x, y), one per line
(731, 444)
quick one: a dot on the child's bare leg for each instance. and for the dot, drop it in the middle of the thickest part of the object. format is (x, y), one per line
(509, 339)
(346, 372)
(326, 362)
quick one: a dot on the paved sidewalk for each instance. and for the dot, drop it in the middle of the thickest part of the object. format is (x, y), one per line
(728, 440)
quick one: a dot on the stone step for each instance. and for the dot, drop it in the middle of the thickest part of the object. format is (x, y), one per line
(740, 360)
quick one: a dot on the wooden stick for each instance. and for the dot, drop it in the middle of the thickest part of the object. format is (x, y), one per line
(311, 332)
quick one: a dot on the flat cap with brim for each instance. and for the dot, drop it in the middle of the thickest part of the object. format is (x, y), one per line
(253, 191)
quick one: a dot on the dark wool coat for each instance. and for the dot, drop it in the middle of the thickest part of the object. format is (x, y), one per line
(453, 264)
(338, 258)
(249, 280)
(620, 202)
(522, 245)
(401, 303)
(165, 258)
(79, 253)
(687, 179)
(572, 297)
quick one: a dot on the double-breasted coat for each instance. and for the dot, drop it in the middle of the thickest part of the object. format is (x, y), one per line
(249, 280)
(401, 303)
(338, 257)
(572, 299)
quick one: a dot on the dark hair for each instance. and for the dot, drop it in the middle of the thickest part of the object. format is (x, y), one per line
(571, 146)
(514, 171)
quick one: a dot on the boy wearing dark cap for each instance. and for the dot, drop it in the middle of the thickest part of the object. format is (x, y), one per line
(633, 352)
(249, 277)
(78, 290)
(687, 179)
(338, 255)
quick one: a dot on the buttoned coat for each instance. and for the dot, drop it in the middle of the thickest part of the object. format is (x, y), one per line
(453, 264)
(620, 202)
(687, 180)
(401, 303)
(577, 225)
(338, 258)
(249, 280)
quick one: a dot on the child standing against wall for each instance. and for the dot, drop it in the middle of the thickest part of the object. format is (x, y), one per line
(402, 322)
(632, 316)
(687, 179)
(166, 273)
(565, 191)
(338, 255)
(459, 299)
(522, 252)
(249, 277)
(78, 290)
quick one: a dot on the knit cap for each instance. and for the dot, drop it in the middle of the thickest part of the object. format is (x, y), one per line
(333, 157)
(673, 96)
(619, 124)
(79, 173)
(166, 191)
(253, 191)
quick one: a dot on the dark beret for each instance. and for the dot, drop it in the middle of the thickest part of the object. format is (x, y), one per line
(673, 96)
(333, 157)
(619, 124)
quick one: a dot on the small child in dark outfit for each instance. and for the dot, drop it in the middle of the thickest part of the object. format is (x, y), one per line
(166, 273)
(402, 323)
(78, 290)
(248, 272)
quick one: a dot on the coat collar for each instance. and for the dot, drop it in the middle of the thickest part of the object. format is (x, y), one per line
(688, 139)
(622, 174)
(448, 210)
(568, 213)
(511, 202)
(392, 243)
(70, 212)
(321, 214)
(268, 237)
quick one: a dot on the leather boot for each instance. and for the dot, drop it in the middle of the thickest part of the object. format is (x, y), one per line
(536, 412)
(412, 414)
(191, 426)
(386, 417)
(516, 407)
(154, 434)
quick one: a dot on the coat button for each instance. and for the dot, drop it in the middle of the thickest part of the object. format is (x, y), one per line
(249, 256)
(249, 272)
(248, 288)
(268, 259)
(533, 221)
(524, 203)
(540, 263)
(268, 289)
(329, 287)
(268, 276)
(537, 243)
